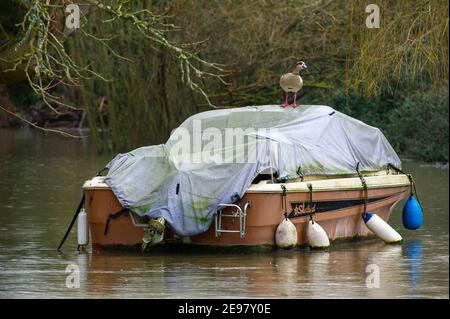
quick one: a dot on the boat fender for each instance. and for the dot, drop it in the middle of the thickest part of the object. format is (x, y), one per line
(82, 230)
(317, 236)
(380, 228)
(286, 234)
(412, 214)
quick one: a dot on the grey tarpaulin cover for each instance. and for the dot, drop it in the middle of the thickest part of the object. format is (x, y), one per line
(214, 156)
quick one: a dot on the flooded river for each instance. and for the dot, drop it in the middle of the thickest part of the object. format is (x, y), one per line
(40, 186)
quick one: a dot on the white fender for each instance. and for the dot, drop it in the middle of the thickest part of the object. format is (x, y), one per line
(317, 236)
(286, 234)
(381, 229)
(83, 228)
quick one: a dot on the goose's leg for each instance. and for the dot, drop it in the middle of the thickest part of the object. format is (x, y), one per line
(286, 100)
(295, 101)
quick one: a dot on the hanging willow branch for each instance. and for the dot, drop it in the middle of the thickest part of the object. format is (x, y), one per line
(411, 45)
(47, 64)
(44, 61)
(152, 27)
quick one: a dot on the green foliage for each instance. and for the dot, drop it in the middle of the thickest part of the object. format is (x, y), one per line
(23, 96)
(394, 78)
(415, 123)
(418, 127)
(11, 13)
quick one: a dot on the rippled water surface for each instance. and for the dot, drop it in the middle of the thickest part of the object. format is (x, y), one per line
(40, 180)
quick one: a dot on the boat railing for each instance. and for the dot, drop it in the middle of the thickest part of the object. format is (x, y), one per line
(237, 213)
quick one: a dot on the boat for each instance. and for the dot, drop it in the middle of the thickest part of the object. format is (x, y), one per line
(337, 205)
(339, 200)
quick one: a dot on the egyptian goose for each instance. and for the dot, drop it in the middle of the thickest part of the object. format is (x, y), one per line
(292, 82)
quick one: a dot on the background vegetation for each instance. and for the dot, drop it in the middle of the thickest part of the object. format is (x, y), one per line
(394, 77)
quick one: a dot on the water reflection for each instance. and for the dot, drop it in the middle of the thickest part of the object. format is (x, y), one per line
(40, 179)
(334, 274)
(413, 256)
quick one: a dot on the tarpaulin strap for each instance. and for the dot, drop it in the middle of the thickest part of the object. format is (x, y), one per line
(235, 199)
(122, 212)
(310, 187)
(299, 173)
(364, 184)
(283, 200)
(80, 205)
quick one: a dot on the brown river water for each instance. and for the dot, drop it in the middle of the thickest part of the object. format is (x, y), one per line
(40, 186)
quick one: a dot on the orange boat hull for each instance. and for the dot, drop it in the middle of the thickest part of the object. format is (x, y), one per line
(339, 214)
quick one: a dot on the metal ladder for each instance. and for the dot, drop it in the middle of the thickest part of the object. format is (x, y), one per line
(238, 213)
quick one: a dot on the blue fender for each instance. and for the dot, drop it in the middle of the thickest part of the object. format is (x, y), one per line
(412, 214)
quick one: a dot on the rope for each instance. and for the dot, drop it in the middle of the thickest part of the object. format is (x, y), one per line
(80, 205)
(310, 201)
(270, 163)
(299, 173)
(415, 192)
(283, 200)
(121, 212)
(411, 180)
(101, 171)
(364, 185)
(366, 195)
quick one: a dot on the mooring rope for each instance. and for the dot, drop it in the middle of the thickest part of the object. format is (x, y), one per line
(80, 205)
